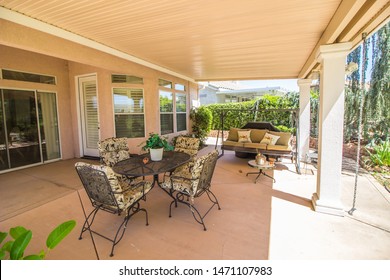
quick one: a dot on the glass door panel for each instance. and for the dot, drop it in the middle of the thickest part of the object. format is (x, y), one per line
(48, 124)
(4, 164)
(21, 127)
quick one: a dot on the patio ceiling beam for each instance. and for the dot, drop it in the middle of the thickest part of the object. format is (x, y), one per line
(354, 30)
(343, 16)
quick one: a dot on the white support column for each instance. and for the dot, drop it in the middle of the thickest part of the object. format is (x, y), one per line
(331, 119)
(304, 116)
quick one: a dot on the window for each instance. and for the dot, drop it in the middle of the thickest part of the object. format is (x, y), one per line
(180, 87)
(129, 112)
(118, 78)
(181, 111)
(27, 77)
(164, 83)
(166, 112)
(173, 108)
(230, 98)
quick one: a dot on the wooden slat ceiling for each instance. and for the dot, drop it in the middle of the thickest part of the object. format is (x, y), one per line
(213, 39)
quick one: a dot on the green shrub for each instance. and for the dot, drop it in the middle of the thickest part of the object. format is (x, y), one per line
(263, 109)
(380, 154)
(201, 123)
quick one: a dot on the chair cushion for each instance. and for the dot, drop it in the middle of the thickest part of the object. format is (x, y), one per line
(233, 134)
(284, 137)
(269, 139)
(258, 134)
(187, 143)
(112, 150)
(134, 189)
(260, 146)
(187, 151)
(244, 136)
(113, 144)
(190, 174)
(278, 148)
(232, 143)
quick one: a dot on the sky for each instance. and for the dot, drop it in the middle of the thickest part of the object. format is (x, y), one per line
(287, 84)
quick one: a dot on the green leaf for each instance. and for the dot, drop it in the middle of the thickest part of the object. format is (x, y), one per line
(42, 254)
(17, 231)
(59, 233)
(32, 257)
(3, 235)
(2, 255)
(20, 245)
(8, 245)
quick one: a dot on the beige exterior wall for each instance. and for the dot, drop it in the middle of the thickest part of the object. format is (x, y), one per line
(15, 59)
(28, 50)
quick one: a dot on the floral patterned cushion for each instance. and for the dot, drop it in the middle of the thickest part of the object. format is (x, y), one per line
(125, 192)
(112, 150)
(187, 145)
(186, 178)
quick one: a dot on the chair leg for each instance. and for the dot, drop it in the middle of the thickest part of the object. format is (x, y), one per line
(135, 209)
(213, 198)
(88, 222)
(122, 227)
(182, 198)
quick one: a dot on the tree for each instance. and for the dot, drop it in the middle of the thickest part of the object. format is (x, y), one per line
(378, 97)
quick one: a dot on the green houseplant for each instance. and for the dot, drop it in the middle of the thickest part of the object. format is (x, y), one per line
(156, 144)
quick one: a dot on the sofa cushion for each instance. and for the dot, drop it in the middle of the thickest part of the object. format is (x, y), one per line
(278, 148)
(233, 143)
(244, 136)
(269, 139)
(233, 134)
(255, 146)
(258, 134)
(284, 139)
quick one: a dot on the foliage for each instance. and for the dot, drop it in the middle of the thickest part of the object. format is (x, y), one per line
(202, 119)
(375, 98)
(262, 109)
(381, 153)
(314, 102)
(156, 141)
(286, 129)
(14, 249)
(378, 97)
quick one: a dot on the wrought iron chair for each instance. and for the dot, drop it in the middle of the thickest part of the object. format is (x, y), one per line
(112, 150)
(188, 145)
(113, 194)
(187, 184)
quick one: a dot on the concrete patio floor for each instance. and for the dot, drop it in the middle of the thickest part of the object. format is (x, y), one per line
(262, 221)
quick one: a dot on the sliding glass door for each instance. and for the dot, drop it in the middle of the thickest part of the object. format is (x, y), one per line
(28, 128)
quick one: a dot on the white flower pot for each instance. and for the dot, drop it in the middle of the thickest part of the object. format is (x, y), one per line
(156, 154)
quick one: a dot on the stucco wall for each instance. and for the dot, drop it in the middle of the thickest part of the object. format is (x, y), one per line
(26, 49)
(20, 60)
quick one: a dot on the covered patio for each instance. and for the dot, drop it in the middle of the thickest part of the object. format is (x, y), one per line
(262, 221)
(178, 43)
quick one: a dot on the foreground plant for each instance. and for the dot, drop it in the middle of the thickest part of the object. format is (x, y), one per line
(14, 249)
(381, 154)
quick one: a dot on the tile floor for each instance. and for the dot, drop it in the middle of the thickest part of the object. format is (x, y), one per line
(262, 221)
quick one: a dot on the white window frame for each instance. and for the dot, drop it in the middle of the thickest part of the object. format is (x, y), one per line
(137, 113)
(174, 91)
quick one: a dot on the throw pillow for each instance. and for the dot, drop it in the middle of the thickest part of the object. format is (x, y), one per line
(244, 136)
(269, 139)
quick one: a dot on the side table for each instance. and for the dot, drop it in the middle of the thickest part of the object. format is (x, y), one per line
(261, 168)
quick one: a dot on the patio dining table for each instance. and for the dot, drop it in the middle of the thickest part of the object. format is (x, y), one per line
(142, 165)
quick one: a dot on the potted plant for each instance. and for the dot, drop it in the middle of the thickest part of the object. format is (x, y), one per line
(156, 145)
